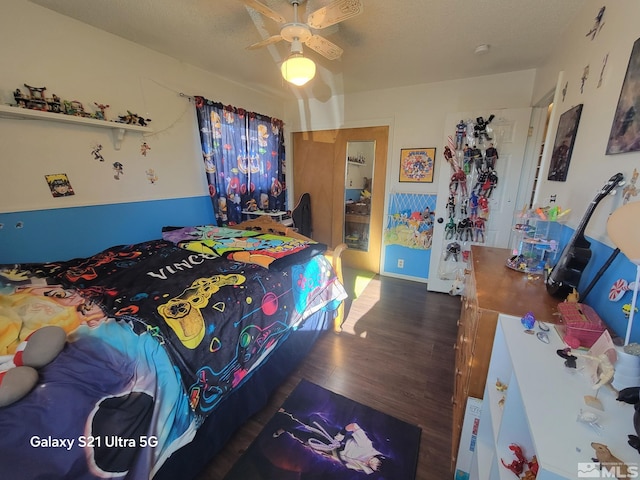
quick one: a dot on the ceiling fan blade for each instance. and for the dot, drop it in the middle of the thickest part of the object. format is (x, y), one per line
(324, 47)
(267, 41)
(335, 12)
(264, 10)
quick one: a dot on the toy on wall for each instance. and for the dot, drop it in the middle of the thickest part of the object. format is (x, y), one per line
(151, 176)
(95, 151)
(481, 129)
(597, 25)
(630, 190)
(144, 148)
(119, 169)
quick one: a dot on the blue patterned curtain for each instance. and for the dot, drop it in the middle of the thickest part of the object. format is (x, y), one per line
(244, 158)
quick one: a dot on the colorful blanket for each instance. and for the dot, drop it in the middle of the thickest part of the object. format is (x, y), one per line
(264, 249)
(158, 335)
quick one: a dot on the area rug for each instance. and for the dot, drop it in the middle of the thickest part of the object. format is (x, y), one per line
(318, 434)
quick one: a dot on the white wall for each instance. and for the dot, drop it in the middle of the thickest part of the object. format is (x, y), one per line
(590, 167)
(78, 62)
(416, 115)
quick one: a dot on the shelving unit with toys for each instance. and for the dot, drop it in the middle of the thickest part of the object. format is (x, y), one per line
(535, 240)
(535, 412)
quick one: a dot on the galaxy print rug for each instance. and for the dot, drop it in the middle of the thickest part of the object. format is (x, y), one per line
(318, 434)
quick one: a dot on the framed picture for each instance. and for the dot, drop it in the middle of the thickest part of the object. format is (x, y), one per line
(563, 145)
(416, 165)
(625, 130)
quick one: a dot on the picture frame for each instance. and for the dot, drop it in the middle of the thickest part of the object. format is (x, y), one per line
(625, 128)
(417, 165)
(563, 144)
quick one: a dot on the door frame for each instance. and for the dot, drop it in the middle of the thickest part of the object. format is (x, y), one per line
(380, 133)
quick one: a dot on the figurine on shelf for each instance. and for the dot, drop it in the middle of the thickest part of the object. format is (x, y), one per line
(100, 114)
(610, 461)
(133, 119)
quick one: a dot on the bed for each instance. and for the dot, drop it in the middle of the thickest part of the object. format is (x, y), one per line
(171, 344)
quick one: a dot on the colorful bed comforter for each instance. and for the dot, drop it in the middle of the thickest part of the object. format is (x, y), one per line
(158, 335)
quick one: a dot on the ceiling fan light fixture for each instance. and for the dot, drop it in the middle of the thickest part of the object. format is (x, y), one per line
(298, 69)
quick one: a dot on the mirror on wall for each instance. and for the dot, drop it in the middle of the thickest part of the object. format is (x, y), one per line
(358, 193)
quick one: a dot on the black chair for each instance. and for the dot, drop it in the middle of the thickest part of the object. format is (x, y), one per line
(301, 215)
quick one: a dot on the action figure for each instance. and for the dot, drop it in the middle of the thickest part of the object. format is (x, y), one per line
(461, 132)
(450, 229)
(466, 165)
(491, 155)
(451, 206)
(480, 130)
(458, 179)
(453, 250)
(479, 229)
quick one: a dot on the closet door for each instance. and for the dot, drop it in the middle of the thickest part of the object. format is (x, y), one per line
(319, 168)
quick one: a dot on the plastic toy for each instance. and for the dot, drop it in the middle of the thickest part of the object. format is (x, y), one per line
(18, 372)
(461, 132)
(480, 129)
(491, 155)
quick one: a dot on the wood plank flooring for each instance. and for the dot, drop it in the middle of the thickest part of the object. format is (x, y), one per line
(396, 355)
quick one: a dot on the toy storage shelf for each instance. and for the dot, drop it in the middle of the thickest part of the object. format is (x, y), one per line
(540, 409)
(118, 129)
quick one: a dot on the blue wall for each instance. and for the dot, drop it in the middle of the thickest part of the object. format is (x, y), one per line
(621, 268)
(61, 234)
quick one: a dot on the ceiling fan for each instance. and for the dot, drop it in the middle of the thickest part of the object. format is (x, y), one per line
(298, 33)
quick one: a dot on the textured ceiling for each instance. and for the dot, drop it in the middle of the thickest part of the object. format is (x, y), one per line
(391, 44)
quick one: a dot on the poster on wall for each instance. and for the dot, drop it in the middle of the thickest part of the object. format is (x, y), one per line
(59, 185)
(416, 165)
(563, 144)
(625, 130)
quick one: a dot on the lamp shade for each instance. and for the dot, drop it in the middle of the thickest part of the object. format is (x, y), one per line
(297, 69)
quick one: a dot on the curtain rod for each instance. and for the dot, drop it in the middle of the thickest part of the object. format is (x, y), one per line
(190, 97)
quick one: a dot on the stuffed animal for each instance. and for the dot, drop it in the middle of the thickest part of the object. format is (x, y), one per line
(18, 372)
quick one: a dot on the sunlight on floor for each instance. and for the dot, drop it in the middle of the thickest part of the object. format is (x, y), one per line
(357, 282)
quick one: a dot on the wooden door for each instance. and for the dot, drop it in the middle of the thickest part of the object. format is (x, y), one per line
(319, 168)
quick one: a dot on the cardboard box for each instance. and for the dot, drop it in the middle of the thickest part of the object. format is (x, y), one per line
(468, 438)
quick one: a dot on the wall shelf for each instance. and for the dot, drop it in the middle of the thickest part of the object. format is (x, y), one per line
(118, 129)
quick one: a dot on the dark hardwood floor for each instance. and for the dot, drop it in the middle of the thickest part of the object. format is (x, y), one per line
(396, 355)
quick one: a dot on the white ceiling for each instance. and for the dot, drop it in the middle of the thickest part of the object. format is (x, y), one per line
(391, 44)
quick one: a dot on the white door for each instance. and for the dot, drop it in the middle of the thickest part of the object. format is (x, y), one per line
(508, 131)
